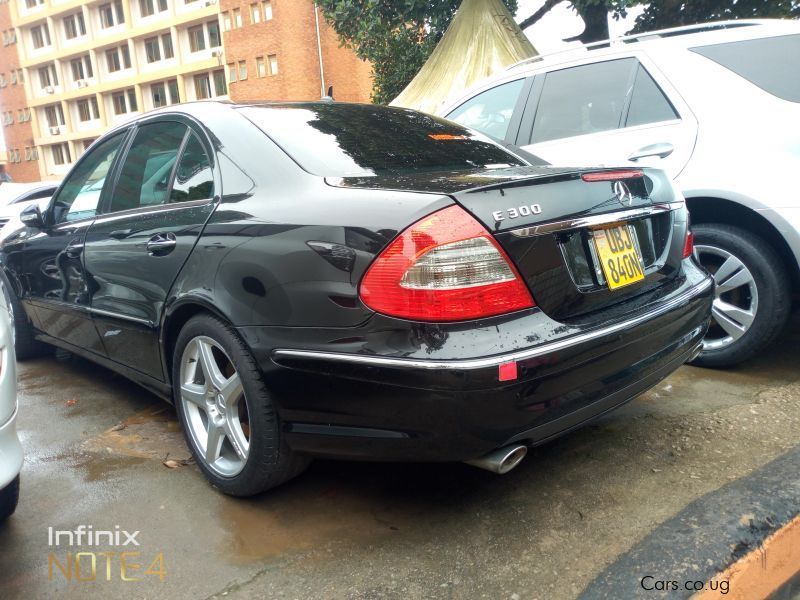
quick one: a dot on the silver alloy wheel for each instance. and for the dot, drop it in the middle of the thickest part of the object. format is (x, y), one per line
(735, 296)
(213, 402)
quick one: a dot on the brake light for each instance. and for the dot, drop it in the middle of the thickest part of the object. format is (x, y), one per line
(444, 267)
(688, 245)
(612, 175)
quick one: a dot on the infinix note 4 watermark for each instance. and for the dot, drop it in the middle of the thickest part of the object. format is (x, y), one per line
(86, 554)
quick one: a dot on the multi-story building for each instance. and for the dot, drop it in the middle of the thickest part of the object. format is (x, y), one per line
(71, 69)
(284, 49)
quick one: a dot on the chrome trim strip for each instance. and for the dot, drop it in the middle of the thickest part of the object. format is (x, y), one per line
(493, 361)
(596, 220)
(113, 315)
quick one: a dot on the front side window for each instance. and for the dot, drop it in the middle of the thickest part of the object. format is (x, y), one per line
(144, 178)
(194, 179)
(582, 100)
(490, 112)
(80, 194)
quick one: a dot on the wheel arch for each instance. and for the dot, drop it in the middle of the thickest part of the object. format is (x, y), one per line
(710, 209)
(174, 319)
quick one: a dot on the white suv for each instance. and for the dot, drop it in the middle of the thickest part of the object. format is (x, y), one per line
(718, 107)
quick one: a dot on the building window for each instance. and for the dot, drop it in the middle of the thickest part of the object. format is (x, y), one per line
(47, 76)
(81, 68)
(197, 39)
(159, 94)
(152, 49)
(33, 3)
(261, 66)
(172, 88)
(237, 18)
(214, 39)
(242, 70)
(232, 72)
(124, 102)
(111, 14)
(88, 109)
(40, 35)
(118, 59)
(226, 21)
(166, 43)
(54, 115)
(88, 143)
(148, 8)
(202, 87)
(273, 64)
(60, 154)
(255, 14)
(74, 26)
(13, 77)
(267, 6)
(220, 86)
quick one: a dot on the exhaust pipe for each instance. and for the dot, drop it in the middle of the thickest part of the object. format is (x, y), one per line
(502, 460)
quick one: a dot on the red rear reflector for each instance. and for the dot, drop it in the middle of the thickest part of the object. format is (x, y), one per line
(444, 267)
(507, 371)
(446, 136)
(688, 246)
(612, 175)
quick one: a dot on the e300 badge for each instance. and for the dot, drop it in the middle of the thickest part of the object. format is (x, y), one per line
(517, 211)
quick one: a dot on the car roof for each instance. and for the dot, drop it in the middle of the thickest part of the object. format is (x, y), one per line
(10, 191)
(688, 36)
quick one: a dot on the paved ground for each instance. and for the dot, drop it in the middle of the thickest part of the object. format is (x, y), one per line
(95, 446)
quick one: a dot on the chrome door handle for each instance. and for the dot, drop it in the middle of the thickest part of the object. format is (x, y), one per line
(162, 243)
(661, 150)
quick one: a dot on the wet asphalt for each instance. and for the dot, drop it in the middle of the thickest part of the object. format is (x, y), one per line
(96, 446)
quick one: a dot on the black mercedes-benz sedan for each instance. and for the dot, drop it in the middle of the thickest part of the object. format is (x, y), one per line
(353, 281)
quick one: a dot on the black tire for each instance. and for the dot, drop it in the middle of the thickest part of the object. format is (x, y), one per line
(25, 345)
(270, 462)
(9, 497)
(771, 283)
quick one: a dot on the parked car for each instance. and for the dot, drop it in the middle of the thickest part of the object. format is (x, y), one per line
(357, 281)
(10, 448)
(717, 106)
(16, 197)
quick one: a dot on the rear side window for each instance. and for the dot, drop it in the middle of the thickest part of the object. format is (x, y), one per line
(490, 112)
(773, 64)
(582, 100)
(648, 103)
(194, 179)
(361, 140)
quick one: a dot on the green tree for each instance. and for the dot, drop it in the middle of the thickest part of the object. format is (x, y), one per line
(396, 36)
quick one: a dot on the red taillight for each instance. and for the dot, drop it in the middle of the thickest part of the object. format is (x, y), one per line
(688, 245)
(445, 267)
(612, 175)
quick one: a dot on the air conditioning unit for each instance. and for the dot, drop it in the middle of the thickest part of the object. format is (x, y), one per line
(55, 130)
(49, 89)
(216, 53)
(82, 83)
(211, 2)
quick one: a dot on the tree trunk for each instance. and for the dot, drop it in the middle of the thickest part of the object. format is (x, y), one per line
(595, 20)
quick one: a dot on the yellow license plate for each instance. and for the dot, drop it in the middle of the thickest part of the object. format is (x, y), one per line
(619, 256)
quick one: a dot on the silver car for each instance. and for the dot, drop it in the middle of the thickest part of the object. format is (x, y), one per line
(718, 107)
(10, 448)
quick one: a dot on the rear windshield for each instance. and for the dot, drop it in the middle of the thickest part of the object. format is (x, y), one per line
(773, 64)
(348, 140)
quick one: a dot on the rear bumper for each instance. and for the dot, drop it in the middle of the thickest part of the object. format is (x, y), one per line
(390, 408)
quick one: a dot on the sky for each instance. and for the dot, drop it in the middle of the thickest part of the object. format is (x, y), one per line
(546, 35)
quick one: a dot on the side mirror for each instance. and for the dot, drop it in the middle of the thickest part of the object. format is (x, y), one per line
(32, 217)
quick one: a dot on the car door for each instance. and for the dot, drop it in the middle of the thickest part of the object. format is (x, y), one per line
(162, 197)
(612, 112)
(51, 270)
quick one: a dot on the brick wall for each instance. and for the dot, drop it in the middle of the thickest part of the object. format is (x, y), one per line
(290, 37)
(18, 136)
